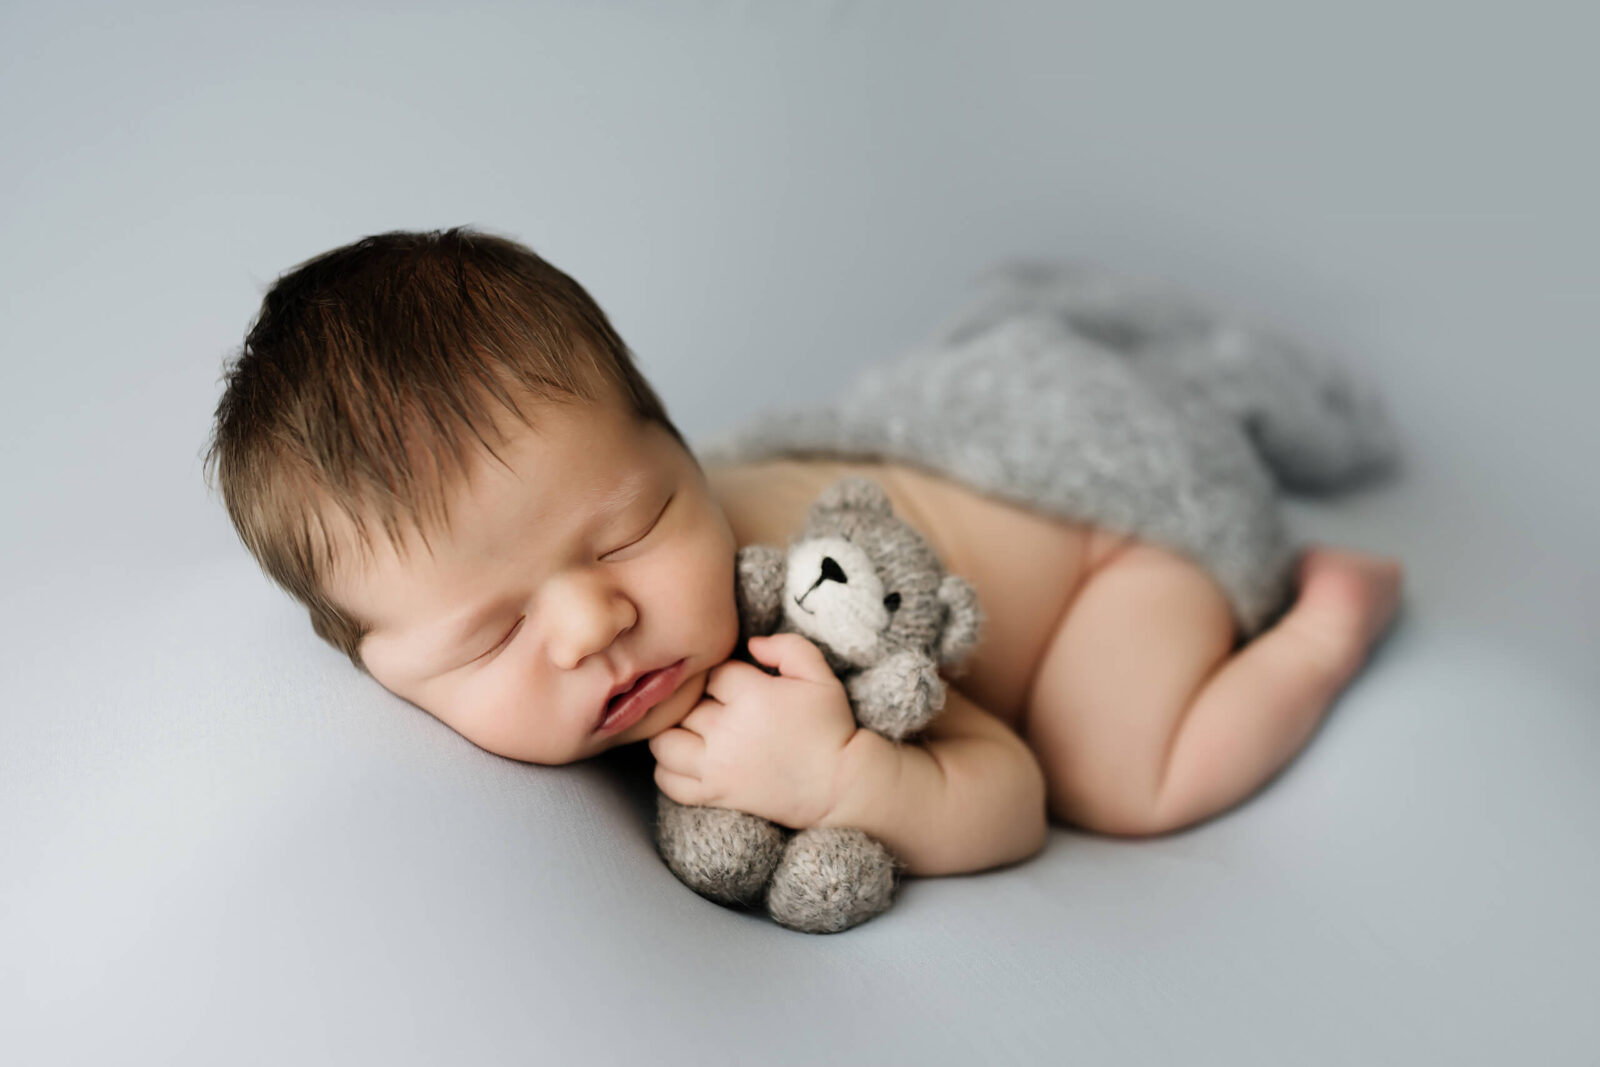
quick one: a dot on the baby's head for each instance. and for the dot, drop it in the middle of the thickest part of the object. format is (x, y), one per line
(439, 446)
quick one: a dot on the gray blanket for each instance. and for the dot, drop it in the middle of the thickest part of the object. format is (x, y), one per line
(1116, 401)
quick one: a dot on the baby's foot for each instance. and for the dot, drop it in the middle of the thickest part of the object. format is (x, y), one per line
(1346, 601)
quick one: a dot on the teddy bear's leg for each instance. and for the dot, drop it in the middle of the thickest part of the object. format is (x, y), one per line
(725, 855)
(830, 879)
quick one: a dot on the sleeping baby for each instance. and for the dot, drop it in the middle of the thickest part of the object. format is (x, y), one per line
(437, 443)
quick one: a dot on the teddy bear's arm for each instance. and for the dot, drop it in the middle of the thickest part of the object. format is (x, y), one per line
(758, 588)
(963, 620)
(898, 695)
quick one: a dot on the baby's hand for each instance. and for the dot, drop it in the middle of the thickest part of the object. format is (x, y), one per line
(769, 746)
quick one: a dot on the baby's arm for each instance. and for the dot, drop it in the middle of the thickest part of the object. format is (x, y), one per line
(969, 797)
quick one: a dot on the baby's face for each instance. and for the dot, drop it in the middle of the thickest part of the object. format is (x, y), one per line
(598, 556)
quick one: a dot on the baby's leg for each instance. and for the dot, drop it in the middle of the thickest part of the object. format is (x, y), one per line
(1145, 719)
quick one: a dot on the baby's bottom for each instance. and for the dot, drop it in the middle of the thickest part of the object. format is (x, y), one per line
(1144, 717)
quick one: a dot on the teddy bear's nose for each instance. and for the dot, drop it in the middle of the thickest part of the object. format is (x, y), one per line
(831, 571)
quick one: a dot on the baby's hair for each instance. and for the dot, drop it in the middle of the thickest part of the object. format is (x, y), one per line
(367, 376)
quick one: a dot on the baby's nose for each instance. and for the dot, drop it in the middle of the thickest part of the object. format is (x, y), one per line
(588, 620)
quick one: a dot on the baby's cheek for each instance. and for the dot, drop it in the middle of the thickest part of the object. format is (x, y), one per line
(704, 569)
(722, 609)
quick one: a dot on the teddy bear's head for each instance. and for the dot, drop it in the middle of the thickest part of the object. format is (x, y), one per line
(862, 583)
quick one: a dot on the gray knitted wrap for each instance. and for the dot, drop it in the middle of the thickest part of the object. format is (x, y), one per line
(1111, 400)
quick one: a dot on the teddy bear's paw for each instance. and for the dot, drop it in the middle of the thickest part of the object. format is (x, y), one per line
(725, 855)
(897, 696)
(830, 879)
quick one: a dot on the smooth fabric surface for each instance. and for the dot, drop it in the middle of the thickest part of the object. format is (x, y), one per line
(220, 844)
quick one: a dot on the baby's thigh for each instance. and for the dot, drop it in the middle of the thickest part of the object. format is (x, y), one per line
(1142, 637)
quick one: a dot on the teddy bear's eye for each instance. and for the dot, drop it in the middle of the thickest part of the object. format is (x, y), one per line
(892, 601)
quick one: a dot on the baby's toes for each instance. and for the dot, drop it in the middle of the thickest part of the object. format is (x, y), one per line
(1346, 598)
(1359, 581)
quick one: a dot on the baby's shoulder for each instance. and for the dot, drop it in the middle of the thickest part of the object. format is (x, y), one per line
(766, 502)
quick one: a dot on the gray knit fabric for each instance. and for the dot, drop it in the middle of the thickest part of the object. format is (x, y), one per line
(723, 854)
(1112, 400)
(830, 879)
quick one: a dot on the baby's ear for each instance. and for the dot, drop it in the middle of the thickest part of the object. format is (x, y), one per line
(963, 620)
(758, 588)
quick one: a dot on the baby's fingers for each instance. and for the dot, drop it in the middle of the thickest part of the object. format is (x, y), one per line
(678, 752)
(795, 656)
(680, 787)
(703, 717)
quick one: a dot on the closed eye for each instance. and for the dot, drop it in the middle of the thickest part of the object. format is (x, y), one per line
(506, 640)
(648, 530)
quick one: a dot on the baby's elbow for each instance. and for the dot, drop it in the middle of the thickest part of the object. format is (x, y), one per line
(1027, 803)
(1036, 825)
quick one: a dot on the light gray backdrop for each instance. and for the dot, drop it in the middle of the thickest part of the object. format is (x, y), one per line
(218, 844)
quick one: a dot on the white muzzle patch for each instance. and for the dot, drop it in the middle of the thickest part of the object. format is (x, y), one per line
(834, 596)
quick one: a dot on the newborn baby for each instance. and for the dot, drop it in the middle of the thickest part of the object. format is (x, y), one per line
(437, 444)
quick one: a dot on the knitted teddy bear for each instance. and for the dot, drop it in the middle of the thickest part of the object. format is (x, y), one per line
(868, 590)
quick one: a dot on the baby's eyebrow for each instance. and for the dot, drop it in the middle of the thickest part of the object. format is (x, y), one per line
(623, 494)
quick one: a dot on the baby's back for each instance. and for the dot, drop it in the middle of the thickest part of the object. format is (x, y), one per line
(1026, 567)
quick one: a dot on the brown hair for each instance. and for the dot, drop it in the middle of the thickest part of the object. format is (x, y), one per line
(370, 367)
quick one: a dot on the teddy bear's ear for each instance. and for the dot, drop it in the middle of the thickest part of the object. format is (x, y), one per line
(853, 494)
(758, 589)
(963, 620)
